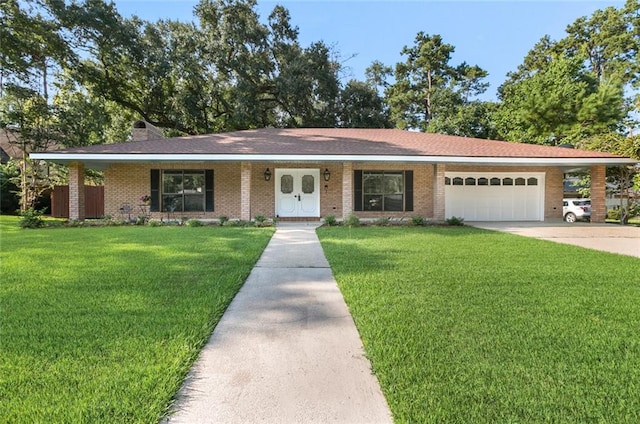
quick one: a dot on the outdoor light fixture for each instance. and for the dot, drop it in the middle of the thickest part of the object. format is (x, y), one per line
(267, 175)
(326, 174)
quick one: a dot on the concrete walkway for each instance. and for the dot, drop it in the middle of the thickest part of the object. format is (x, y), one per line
(286, 350)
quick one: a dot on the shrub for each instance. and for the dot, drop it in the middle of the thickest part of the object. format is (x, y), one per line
(330, 220)
(352, 221)
(613, 214)
(194, 223)
(222, 220)
(141, 220)
(382, 222)
(31, 218)
(454, 220)
(417, 221)
(259, 220)
(155, 223)
(73, 223)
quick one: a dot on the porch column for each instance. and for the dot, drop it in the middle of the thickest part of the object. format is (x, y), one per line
(347, 189)
(438, 191)
(598, 193)
(76, 191)
(245, 191)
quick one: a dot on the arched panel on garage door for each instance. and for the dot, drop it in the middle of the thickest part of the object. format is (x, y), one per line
(497, 196)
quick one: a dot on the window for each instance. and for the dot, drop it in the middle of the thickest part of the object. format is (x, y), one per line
(388, 191)
(181, 190)
(495, 181)
(533, 181)
(483, 181)
(520, 181)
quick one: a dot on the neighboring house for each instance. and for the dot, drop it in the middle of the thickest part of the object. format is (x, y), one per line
(311, 173)
(8, 150)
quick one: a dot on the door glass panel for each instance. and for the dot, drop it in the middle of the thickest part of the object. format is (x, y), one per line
(286, 184)
(308, 184)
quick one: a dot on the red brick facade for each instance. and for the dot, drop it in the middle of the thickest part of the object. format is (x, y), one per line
(241, 192)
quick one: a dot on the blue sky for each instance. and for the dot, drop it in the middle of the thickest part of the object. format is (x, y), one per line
(495, 35)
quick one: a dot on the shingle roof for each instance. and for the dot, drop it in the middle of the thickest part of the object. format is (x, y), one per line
(336, 141)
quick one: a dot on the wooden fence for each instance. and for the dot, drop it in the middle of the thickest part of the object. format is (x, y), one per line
(93, 202)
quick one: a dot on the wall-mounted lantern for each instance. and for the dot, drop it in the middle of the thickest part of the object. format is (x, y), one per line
(267, 175)
(326, 174)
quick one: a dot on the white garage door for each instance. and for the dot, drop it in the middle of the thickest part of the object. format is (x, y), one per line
(497, 196)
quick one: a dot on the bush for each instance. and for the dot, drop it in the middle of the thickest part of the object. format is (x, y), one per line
(454, 220)
(352, 221)
(259, 220)
(614, 214)
(31, 218)
(141, 220)
(222, 220)
(330, 220)
(155, 223)
(417, 221)
(194, 223)
(382, 222)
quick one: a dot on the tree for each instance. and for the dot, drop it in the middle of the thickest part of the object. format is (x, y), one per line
(362, 107)
(424, 75)
(562, 103)
(624, 179)
(580, 86)
(429, 94)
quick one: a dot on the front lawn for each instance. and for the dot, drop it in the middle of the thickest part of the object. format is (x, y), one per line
(102, 324)
(471, 326)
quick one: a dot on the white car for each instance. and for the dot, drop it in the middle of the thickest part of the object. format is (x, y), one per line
(576, 210)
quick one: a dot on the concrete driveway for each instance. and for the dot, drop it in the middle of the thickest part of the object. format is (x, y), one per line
(621, 239)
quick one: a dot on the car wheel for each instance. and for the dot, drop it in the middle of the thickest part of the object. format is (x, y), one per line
(570, 217)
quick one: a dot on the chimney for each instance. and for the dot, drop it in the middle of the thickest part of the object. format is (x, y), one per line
(143, 130)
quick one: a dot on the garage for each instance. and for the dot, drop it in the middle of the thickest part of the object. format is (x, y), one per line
(495, 196)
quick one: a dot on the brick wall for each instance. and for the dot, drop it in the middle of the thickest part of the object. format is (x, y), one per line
(76, 191)
(125, 183)
(422, 189)
(598, 193)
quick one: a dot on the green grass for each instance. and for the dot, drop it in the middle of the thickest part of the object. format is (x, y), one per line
(470, 326)
(102, 324)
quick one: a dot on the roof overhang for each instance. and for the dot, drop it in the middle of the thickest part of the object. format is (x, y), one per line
(103, 160)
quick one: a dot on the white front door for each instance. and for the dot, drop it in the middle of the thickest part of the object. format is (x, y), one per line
(297, 192)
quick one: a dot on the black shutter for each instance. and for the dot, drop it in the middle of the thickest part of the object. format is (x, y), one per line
(357, 190)
(408, 191)
(155, 190)
(208, 190)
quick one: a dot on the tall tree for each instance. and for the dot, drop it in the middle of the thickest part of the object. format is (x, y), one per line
(362, 107)
(32, 49)
(430, 94)
(583, 85)
(561, 104)
(421, 79)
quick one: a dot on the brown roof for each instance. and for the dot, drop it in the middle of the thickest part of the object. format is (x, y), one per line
(336, 141)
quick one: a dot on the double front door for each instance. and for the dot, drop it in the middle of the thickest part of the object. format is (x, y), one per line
(297, 192)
